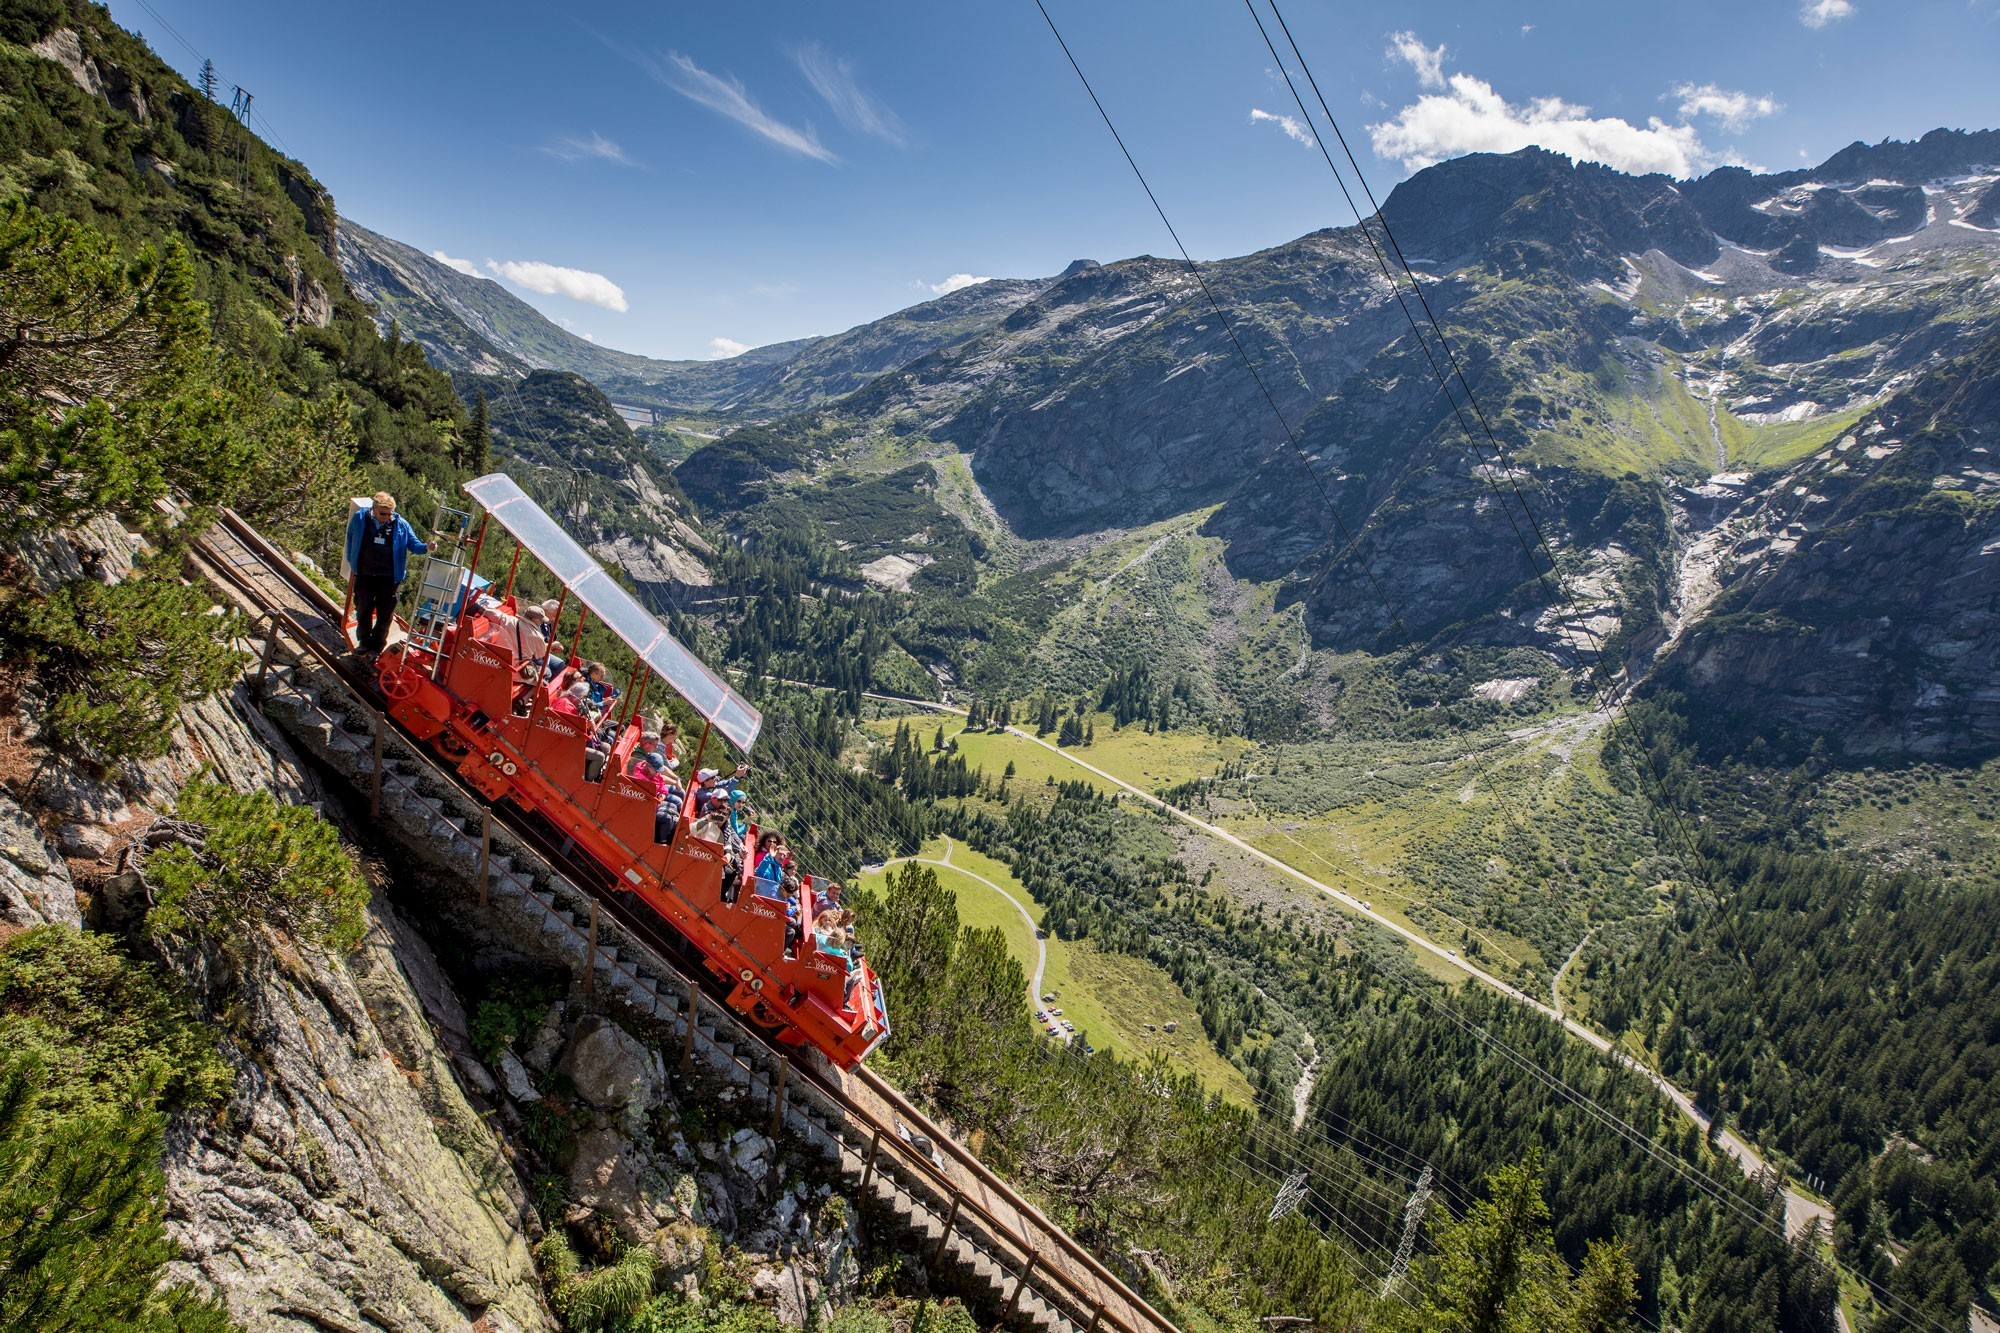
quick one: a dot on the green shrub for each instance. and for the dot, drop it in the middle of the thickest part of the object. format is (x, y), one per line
(99, 1022)
(599, 1299)
(263, 864)
(118, 662)
(98, 1049)
(511, 1008)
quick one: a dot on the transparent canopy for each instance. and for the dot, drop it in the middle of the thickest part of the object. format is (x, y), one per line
(617, 609)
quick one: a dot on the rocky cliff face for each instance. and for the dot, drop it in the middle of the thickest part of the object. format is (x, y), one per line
(1861, 592)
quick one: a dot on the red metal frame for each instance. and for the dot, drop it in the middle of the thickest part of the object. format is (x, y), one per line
(462, 706)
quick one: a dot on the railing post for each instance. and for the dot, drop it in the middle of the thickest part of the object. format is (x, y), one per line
(1020, 1285)
(485, 850)
(868, 1167)
(693, 1014)
(950, 1220)
(1096, 1318)
(270, 650)
(778, 1097)
(590, 964)
(375, 779)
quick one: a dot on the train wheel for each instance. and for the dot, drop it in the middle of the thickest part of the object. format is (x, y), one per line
(767, 1018)
(401, 685)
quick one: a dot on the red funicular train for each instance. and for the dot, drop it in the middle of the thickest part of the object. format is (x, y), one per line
(456, 686)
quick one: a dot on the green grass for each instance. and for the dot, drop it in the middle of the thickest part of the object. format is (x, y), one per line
(1109, 997)
(1148, 762)
(1787, 442)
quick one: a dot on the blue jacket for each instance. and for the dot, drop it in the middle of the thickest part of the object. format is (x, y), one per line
(403, 539)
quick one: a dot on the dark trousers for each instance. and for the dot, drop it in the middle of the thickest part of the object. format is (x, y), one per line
(374, 611)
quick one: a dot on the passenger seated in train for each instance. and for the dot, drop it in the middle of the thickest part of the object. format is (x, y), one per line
(602, 691)
(770, 872)
(525, 635)
(570, 703)
(711, 826)
(597, 750)
(648, 766)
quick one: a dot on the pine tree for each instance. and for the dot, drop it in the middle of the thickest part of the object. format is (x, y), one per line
(479, 437)
(83, 1246)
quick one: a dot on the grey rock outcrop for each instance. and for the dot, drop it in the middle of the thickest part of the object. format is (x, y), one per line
(610, 1068)
(348, 1184)
(35, 887)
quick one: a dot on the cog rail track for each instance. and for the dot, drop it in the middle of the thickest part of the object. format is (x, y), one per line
(861, 1122)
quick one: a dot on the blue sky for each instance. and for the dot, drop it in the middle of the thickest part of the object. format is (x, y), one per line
(684, 180)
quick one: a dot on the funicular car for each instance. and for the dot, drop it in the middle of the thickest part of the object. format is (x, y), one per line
(455, 685)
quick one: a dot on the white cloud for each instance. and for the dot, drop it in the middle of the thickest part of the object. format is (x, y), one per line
(554, 280)
(1472, 118)
(1427, 61)
(832, 77)
(721, 349)
(572, 149)
(774, 291)
(1819, 13)
(1735, 110)
(957, 282)
(728, 97)
(1289, 124)
(465, 266)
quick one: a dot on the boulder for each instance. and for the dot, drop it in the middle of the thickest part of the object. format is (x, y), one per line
(608, 1065)
(514, 1078)
(547, 1041)
(70, 791)
(682, 1250)
(785, 1288)
(84, 841)
(752, 1153)
(35, 887)
(604, 1177)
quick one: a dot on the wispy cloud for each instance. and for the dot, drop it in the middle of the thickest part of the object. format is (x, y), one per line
(554, 280)
(721, 349)
(774, 291)
(1289, 124)
(1734, 109)
(726, 96)
(572, 149)
(832, 77)
(1819, 13)
(957, 282)
(1427, 61)
(465, 266)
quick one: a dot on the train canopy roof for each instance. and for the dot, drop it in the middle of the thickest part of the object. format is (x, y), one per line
(617, 609)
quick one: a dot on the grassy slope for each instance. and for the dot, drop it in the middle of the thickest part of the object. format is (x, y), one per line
(1507, 848)
(1109, 997)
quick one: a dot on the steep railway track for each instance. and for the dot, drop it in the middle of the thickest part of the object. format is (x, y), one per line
(867, 1128)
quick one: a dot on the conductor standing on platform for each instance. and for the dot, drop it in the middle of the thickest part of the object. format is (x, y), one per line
(378, 541)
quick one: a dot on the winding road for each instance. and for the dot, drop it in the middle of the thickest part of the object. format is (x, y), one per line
(1800, 1211)
(1041, 947)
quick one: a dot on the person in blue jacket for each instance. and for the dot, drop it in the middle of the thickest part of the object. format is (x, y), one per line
(379, 541)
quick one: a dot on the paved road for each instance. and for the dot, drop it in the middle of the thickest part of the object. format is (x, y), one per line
(1041, 947)
(1800, 1211)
